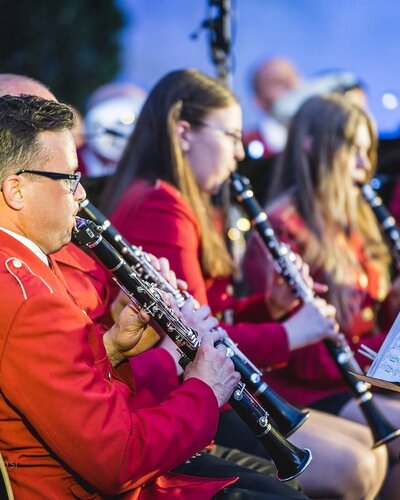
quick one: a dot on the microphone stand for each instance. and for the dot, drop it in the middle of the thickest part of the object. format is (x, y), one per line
(218, 23)
(220, 40)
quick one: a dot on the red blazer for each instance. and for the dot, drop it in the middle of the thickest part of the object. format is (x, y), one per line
(158, 218)
(69, 423)
(88, 282)
(311, 373)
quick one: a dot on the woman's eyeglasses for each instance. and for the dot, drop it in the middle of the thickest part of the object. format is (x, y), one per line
(235, 135)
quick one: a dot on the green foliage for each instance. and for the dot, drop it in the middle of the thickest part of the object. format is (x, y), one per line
(72, 45)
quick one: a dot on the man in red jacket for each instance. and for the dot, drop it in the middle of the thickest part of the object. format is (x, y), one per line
(68, 421)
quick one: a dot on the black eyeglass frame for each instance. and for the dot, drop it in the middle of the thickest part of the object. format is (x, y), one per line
(74, 178)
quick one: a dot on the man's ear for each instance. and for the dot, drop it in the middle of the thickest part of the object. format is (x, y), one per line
(183, 133)
(12, 192)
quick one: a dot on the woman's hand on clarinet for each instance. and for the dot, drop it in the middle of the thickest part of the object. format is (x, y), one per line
(199, 318)
(313, 322)
(162, 265)
(279, 297)
(304, 270)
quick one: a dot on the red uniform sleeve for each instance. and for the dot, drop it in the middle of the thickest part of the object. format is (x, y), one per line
(253, 307)
(155, 374)
(48, 373)
(266, 344)
(256, 265)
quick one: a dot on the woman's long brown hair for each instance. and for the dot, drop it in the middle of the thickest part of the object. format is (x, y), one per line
(153, 153)
(313, 173)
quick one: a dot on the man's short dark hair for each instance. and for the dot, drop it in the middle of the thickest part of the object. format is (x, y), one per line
(22, 119)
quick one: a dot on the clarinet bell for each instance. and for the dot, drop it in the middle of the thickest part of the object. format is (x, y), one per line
(382, 431)
(290, 461)
(285, 416)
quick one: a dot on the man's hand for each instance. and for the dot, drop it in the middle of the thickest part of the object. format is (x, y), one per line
(216, 370)
(128, 336)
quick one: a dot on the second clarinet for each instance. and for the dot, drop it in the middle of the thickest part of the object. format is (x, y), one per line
(341, 352)
(385, 219)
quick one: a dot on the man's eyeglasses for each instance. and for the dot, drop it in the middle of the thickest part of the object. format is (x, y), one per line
(74, 179)
(236, 136)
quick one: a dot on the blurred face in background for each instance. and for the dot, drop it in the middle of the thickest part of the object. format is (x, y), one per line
(273, 80)
(353, 157)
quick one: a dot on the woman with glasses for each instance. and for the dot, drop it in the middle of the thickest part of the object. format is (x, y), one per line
(186, 143)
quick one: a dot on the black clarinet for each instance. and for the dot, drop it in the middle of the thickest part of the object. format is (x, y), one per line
(341, 352)
(385, 219)
(285, 416)
(289, 460)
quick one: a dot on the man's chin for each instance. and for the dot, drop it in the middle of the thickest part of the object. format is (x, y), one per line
(63, 243)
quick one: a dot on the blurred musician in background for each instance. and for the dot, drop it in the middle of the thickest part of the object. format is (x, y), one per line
(111, 114)
(271, 80)
(110, 117)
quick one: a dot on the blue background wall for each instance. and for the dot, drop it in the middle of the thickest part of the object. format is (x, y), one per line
(359, 35)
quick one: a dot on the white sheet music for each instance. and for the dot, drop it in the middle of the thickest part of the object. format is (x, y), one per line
(386, 365)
